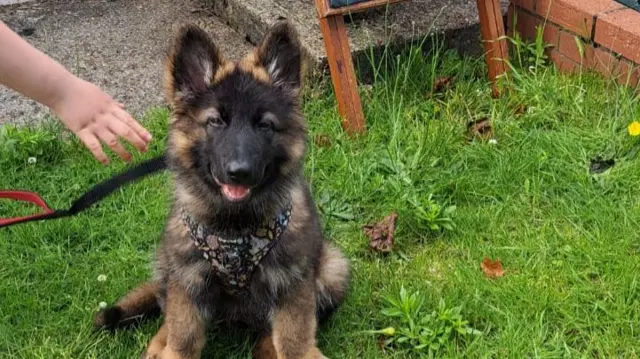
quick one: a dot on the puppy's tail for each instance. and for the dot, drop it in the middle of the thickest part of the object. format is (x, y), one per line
(138, 304)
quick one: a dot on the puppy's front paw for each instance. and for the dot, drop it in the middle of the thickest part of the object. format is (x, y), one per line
(316, 354)
(163, 353)
(155, 350)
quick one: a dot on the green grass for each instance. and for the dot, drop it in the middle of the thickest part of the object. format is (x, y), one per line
(568, 239)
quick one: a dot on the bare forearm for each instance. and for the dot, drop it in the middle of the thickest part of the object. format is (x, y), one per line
(85, 109)
(27, 70)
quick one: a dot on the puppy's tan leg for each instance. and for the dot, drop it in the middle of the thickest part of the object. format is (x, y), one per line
(293, 332)
(157, 344)
(265, 349)
(185, 329)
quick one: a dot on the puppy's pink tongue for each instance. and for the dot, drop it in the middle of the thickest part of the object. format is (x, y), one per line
(235, 192)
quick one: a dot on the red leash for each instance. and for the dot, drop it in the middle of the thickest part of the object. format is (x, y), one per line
(95, 194)
(25, 196)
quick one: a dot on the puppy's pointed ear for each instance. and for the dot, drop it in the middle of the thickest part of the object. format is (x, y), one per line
(280, 53)
(192, 63)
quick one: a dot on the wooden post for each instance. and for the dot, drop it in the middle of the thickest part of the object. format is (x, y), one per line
(343, 74)
(495, 45)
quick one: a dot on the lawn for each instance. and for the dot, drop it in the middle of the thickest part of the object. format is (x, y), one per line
(567, 237)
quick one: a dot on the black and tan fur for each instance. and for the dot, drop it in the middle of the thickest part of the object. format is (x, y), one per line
(304, 277)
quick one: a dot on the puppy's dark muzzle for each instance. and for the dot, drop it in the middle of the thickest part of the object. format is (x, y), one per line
(243, 173)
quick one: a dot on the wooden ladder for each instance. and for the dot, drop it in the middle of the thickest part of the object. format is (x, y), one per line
(341, 66)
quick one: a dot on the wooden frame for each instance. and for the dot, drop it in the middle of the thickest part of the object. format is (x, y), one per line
(326, 10)
(495, 43)
(343, 75)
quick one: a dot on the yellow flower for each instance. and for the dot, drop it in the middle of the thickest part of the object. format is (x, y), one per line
(389, 331)
(634, 128)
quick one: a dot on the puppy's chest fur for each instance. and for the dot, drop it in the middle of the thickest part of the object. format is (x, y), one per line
(289, 261)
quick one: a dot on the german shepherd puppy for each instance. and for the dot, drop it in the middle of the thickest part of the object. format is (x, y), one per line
(243, 241)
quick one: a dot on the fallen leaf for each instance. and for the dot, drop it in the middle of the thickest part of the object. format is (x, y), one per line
(381, 233)
(492, 269)
(599, 165)
(322, 140)
(479, 128)
(520, 109)
(441, 84)
(382, 342)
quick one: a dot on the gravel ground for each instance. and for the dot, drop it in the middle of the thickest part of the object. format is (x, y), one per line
(117, 44)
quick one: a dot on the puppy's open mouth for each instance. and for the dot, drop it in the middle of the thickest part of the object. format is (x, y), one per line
(233, 192)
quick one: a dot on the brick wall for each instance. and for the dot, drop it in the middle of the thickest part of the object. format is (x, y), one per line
(608, 33)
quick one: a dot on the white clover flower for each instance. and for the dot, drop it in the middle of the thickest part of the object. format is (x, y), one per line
(102, 278)
(493, 141)
(102, 305)
(31, 160)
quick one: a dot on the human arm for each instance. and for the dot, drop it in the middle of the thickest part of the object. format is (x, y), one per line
(83, 107)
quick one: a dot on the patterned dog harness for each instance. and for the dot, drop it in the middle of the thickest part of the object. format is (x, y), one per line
(234, 259)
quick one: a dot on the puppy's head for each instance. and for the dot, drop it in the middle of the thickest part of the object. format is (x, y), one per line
(236, 126)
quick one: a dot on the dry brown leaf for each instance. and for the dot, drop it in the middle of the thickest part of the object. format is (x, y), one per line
(479, 128)
(492, 269)
(322, 140)
(441, 84)
(381, 233)
(520, 109)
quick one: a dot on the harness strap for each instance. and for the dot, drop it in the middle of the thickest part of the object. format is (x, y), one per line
(95, 194)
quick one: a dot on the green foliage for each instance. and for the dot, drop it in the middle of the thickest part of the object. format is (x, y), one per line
(431, 215)
(18, 144)
(419, 331)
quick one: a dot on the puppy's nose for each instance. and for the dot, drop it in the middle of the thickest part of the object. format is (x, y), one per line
(239, 171)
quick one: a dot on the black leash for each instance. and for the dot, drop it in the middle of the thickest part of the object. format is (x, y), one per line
(95, 194)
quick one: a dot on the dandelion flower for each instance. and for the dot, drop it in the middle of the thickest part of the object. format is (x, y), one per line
(390, 331)
(634, 128)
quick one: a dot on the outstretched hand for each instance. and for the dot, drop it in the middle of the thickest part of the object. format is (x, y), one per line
(98, 119)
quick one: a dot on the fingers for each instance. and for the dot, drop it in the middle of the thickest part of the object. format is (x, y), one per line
(94, 145)
(121, 129)
(111, 140)
(124, 116)
(109, 127)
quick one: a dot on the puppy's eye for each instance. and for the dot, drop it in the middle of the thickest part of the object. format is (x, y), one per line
(215, 121)
(267, 122)
(265, 125)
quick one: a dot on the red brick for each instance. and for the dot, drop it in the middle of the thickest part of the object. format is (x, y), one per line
(604, 62)
(525, 24)
(563, 63)
(509, 25)
(624, 71)
(525, 4)
(551, 33)
(620, 32)
(629, 74)
(575, 15)
(569, 48)
(609, 65)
